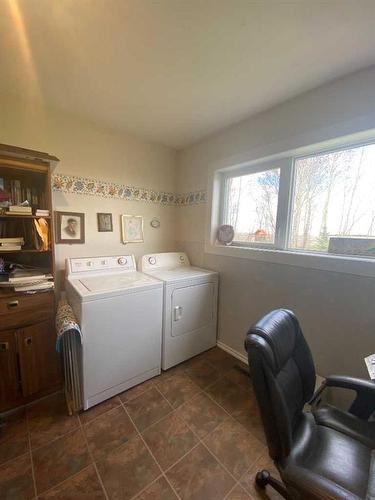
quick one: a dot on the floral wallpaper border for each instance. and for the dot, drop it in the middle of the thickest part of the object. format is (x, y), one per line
(95, 187)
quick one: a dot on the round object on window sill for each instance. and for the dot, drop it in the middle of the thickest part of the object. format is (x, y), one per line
(155, 223)
(225, 234)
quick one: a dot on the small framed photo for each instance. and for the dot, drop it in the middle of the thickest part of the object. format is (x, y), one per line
(132, 228)
(105, 222)
(70, 227)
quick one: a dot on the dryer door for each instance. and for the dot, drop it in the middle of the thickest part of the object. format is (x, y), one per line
(192, 308)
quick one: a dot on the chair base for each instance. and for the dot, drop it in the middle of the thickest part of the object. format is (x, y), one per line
(264, 478)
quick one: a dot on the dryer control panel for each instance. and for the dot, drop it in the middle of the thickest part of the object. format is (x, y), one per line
(97, 265)
(169, 260)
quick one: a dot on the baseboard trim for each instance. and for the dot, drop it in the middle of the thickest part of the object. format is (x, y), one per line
(233, 352)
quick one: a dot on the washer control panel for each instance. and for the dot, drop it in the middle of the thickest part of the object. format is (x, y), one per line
(97, 264)
(163, 260)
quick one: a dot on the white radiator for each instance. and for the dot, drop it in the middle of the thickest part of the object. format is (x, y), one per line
(72, 357)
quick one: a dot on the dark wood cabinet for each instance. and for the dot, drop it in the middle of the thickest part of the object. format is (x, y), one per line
(9, 372)
(37, 357)
(29, 364)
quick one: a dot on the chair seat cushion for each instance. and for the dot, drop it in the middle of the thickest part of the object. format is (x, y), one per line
(325, 463)
(348, 424)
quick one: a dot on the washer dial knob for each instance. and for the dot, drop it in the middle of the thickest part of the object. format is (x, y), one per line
(122, 261)
(152, 260)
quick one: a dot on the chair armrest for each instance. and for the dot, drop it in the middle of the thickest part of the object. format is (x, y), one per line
(356, 384)
(315, 400)
(363, 405)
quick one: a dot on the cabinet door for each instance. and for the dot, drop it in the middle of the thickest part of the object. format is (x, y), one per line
(9, 373)
(38, 359)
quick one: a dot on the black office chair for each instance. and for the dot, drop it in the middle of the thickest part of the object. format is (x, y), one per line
(325, 453)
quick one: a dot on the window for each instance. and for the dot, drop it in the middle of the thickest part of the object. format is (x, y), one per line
(251, 206)
(323, 202)
(334, 200)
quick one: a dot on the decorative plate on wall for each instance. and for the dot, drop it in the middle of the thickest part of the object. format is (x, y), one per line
(225, 234)
(155, 223)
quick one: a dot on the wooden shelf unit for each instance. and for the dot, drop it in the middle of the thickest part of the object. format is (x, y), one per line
(29, 365)
(7, 216)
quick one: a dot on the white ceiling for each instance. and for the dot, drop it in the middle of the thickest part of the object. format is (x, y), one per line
(175, 71)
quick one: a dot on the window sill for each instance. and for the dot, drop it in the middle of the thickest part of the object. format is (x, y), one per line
(359, 266)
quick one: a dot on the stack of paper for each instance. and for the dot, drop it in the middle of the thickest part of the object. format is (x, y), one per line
(41, 213)
(19, 210)
(23, 276)
(29, 280)
(35, 286)
(11, 244)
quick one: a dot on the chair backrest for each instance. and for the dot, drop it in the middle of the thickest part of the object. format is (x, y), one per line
(283, 375)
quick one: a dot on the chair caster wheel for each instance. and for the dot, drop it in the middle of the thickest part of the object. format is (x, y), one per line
(262, 478)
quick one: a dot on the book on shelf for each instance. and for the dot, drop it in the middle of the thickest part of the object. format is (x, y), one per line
(37, 286)
(17, 213)
(19, 190)
(20, 208)
(9, 248)
(42, 213)
(16, 191)
(28, 276)
(12, 241)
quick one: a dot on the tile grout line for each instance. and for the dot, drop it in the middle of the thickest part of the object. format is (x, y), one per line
(247, 472)
(31, 454)
(200, 441)
(80, 425)
(92, 458)
(181, 458)
(140, 492)
(7, 462)
(167, 400)
(64, 481)
(236, 481)
(54, 439)
(233, 418)
(153, 456)
(95, 418)
(234, 487)
(253, 435)
(156, 421)
(123, 403)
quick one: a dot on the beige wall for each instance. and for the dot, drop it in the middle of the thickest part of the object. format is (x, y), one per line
(336, 310)
(87, 150)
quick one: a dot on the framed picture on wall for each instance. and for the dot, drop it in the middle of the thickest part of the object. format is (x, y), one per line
(70, 227)
(105, 222)
(132, 228)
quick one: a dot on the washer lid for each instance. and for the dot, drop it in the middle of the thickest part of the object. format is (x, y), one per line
(114, 282)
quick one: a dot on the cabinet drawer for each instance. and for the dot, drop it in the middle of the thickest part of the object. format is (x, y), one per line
(18, 310)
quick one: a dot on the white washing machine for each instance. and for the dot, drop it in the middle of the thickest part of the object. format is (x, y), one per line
(190, 305)
(120, 314)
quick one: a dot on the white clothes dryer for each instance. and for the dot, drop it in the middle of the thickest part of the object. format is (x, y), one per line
(189, 306)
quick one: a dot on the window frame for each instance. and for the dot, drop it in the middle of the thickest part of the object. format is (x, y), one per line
(283, 219)
(286, 163)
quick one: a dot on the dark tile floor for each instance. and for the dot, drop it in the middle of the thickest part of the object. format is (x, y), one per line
(192, 433)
